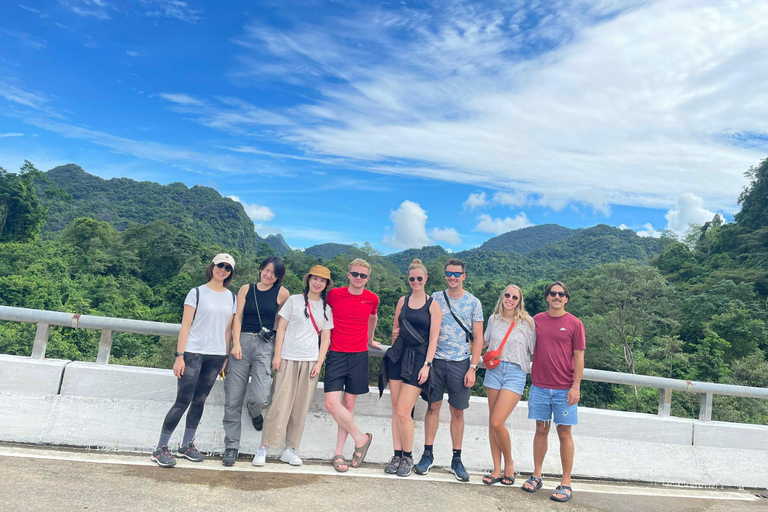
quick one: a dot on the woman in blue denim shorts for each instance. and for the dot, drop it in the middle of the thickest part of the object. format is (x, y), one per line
(506, 382)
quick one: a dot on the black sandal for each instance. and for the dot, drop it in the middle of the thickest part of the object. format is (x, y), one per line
(507, 480)
(490, 480)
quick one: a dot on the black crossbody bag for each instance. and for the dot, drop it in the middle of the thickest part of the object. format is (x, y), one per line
(467, 332)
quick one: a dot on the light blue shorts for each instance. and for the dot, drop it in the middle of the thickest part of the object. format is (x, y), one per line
(545, 403)
(507, 376)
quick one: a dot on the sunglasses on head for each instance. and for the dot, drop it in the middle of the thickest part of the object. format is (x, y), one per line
(359, 274)
(454, 274)
(417, 278)
(556, 294)
(225, 266)
(510, 296)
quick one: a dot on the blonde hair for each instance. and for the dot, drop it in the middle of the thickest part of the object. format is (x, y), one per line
(520, 312)
(416, 263)
(359, 262)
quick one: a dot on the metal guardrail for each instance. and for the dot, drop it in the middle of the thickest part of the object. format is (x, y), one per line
(109, 325)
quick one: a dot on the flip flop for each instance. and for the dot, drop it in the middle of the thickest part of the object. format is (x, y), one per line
(337, 461)
(562, 489)
(507, 480)
(535, 482)
(490, 480)
(357, 460)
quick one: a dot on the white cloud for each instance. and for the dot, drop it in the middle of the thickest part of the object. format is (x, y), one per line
(475, 200)
(11, 134)
(255, 211)
(513, 200)
(24, 38)
(410, 231)
(624, 226)
(180, 98)
(689, 210)
(227, 114)
(89, 8)
(132, 53)
(649, 231)
(578, 106)
(487, 224)
(177, 9)
(448, 235)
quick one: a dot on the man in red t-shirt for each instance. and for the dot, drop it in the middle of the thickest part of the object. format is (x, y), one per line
(558, 364)
(346, 368)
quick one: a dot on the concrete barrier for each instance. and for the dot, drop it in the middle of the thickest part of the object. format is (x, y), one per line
(122, 408)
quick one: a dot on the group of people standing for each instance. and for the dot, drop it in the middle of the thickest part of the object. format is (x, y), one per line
(436, 346)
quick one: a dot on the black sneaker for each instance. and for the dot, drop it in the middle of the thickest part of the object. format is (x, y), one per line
(394, 463)
(457, 468)
(258, 422)
(406, 464)
(426, 462)
(190, 452)
(163, 457)
(230, 456)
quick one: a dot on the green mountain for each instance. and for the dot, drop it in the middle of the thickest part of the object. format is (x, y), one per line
(527, 240)
(202, 211)
(331, 250)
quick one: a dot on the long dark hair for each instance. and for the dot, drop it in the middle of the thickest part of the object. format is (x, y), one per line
(279, 266)
(323, 295)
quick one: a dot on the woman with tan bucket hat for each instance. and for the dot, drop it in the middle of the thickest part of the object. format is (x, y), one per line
(303, 320)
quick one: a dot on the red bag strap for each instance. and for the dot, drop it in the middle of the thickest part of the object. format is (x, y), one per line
(311, 317)
(509, 331)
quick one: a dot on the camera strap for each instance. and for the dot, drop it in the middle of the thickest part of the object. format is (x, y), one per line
(257, 305)
(470, 336)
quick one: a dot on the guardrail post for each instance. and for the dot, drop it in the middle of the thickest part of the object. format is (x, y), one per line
(105, 347)
(705, 406)
(41, 340)
(665, 402)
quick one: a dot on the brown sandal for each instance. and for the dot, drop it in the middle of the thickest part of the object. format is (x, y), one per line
(363, 451)
(337, 461)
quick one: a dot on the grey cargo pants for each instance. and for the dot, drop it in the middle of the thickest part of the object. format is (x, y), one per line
(256, 363)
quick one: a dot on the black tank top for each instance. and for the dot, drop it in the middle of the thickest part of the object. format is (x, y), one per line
(267, 308)
(420, 321)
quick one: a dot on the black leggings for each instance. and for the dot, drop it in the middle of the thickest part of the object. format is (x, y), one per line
(194, 385)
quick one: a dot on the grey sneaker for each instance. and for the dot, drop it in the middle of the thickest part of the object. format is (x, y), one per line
(230, 456)
(261, 456)
(457, 468)
(426, 462)
(406, 464)
(190, 452)
(163, 457)
(394, 463)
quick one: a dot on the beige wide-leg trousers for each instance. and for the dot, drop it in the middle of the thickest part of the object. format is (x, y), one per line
(291, 398)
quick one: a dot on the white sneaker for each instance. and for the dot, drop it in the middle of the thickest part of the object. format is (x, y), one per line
(289, 456)
(261, 456)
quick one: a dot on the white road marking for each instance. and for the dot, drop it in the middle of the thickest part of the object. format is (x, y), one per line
(324, 469)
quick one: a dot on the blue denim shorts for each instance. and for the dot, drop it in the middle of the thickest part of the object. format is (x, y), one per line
(545, 403)
(507, 376)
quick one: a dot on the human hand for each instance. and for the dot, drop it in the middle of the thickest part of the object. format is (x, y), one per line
(469, 378)
(375, 344)
(395, 334)
(423, 374)
(178, 367)
(237, 351)
(315, 370)
(276, 362)
(573, 396)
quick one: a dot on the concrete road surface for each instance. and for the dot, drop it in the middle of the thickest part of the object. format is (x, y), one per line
(39, 478)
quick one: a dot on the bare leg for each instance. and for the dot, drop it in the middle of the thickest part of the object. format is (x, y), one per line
(343, 414)
(457, 427)
(493, 395)
(566, 454)
(505, 404)
(539, 448)
(431, 422)
(408, 396)
(394, 393)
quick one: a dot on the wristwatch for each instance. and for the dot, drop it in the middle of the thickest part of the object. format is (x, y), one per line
(179, 354)
(473, 366)
(428, 364)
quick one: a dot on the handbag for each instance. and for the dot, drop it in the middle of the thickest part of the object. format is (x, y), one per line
(492, 358)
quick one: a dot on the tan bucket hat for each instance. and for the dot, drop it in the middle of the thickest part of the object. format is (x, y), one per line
(319, 271)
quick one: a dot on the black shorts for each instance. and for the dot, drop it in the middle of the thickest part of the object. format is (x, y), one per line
(346, 371)
(449, 374)
(395, 370)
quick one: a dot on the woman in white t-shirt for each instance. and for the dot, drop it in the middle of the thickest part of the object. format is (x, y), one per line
(297, 363)
(201, 353)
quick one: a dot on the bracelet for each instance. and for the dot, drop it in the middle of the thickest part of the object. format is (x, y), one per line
(179, 354)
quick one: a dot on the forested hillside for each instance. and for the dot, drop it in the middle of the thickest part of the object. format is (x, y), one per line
(694, 308)
(528, 239)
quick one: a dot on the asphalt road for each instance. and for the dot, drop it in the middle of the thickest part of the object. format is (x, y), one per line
(34, 478)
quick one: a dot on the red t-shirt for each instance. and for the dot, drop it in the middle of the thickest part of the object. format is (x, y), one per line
(350, 319)
(556, 339)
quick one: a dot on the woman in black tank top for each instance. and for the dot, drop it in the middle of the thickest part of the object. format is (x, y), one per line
(250, 362)
(406, 365)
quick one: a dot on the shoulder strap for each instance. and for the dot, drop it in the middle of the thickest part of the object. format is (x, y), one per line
(312, 317)
(256, 301)
(197, 302)
(234, 297)
(411, 330)
(447, 301)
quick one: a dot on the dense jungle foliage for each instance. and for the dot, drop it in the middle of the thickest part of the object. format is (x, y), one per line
(692, 309)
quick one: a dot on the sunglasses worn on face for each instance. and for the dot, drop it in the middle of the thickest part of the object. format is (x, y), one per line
(226, 267)
(556, 294)
(359, 274)
(417, 278)
(454, 274)
(513, 297)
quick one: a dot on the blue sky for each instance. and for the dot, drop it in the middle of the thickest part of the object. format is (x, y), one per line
(399, 123)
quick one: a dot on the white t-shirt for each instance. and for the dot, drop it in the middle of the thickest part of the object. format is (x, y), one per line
(300, 341)
(214, 311)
